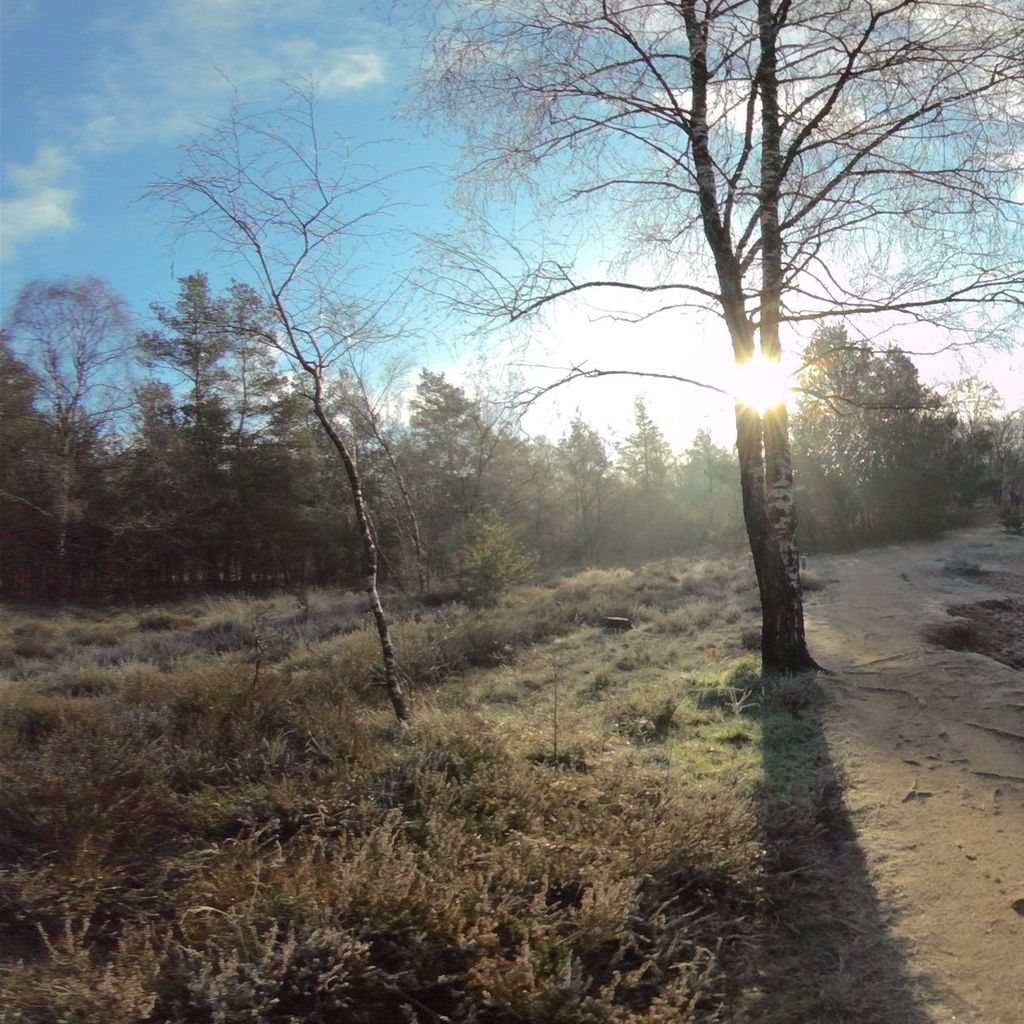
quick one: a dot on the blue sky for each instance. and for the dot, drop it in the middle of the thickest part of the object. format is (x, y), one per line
(99, 94)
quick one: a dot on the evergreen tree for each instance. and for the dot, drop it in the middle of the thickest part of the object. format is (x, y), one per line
(710, 507)
(874, 448)
(646, 461)
(586, 470)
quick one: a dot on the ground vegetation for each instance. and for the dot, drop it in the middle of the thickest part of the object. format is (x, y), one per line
(211, 815)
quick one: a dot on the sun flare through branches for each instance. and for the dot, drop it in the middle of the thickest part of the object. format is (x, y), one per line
(761, 384)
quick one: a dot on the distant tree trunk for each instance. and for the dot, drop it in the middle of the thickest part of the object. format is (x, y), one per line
(369, 554)
(422, 569)
(63, 523)
(372, 422)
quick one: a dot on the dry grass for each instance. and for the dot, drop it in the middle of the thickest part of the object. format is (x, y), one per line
(574, 830)
(955, 633)
(812, 581)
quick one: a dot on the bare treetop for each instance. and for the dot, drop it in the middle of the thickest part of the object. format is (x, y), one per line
(299, 211)
(76, 334)
(897, 174)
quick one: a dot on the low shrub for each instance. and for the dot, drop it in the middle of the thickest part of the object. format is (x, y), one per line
(189, 841)
(1012, 519)
(811, 581)
(163, 620)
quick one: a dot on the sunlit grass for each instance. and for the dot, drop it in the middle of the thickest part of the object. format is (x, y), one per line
(571, 831)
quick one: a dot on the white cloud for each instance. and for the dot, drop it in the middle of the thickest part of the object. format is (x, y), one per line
(40, 203)
(174, 64)
(351, 70)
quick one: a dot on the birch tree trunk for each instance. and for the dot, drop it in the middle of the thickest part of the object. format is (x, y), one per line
(787, 622)
(766, 476)
(265, 185)
(391, 681)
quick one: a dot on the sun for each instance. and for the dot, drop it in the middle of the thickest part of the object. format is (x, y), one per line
(761, 384)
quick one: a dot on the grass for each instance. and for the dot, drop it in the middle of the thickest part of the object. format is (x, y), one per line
(955, 633)
(580, 827)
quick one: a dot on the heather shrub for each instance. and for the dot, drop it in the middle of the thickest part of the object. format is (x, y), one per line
(70, 987)
(222, 822)
(163, 620)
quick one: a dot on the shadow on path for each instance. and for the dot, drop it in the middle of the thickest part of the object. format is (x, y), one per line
(828, 956)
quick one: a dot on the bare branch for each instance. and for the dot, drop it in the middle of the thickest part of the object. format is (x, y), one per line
(574, 373)
(264, 186)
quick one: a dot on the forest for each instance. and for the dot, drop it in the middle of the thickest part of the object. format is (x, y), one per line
(179, 458)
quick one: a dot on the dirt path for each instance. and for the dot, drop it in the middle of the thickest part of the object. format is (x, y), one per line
(933, 743)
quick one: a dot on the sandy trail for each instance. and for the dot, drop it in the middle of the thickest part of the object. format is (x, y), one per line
(933, 744)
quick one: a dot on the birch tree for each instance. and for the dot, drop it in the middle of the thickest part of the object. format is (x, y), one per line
(769, 161)
(75, 335)
(294, 208)
(369, 408)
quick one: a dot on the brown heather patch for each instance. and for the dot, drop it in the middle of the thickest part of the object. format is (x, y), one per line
(571, 832)
(169, 621)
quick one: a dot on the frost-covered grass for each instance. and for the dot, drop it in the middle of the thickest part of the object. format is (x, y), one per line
(209, 815)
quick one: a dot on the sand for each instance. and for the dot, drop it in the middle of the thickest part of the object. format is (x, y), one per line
(932, 741)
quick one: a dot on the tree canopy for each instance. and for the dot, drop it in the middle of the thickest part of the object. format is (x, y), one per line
(770, 161)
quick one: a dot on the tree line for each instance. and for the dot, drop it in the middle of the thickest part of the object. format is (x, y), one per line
(774, 163)
(183, 458)
(777, 165)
